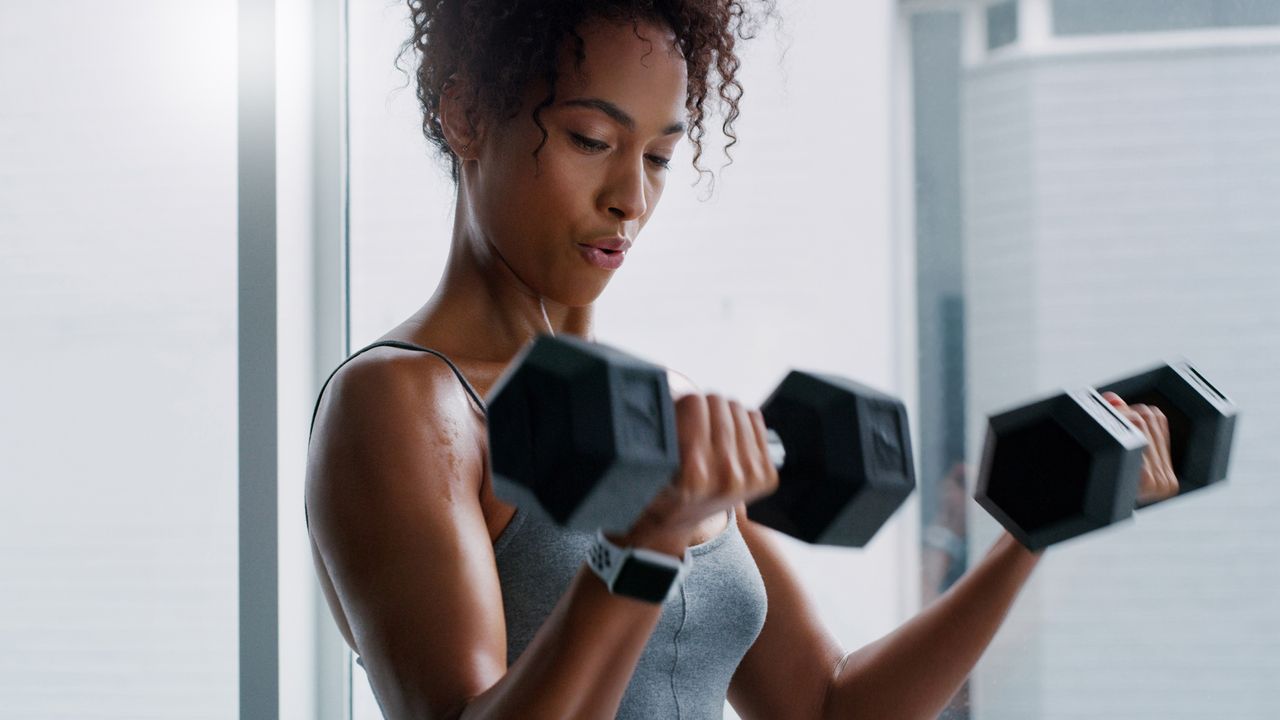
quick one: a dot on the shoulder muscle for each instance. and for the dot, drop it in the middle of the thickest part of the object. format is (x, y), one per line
(393, 479)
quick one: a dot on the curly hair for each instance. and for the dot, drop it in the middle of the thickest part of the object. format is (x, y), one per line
(502, 45)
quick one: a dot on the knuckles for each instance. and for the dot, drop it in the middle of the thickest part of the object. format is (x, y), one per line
(718, 463)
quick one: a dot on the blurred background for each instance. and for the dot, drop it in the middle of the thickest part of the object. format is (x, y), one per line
(205, 206)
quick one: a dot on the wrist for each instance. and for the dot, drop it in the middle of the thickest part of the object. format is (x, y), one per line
(638, 572)
(651, 536)
(1009, 546)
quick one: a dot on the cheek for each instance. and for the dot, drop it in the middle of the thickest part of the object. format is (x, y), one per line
(538, 205)
(525, 188)
(566, 176)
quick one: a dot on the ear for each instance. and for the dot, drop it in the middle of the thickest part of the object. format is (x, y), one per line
(463, 137)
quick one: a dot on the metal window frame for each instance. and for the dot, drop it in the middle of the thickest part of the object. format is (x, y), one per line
(257, 392)
(331, 283)
(1036, 37)
(257, 355)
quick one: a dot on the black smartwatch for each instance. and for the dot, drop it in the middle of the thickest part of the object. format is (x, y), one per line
(637, 572)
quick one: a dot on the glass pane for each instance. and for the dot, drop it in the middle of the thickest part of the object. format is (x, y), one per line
(1090, 17)
(401, 203)
(401, 210)
(1002, 24)
(1093, 214)
(118, 375)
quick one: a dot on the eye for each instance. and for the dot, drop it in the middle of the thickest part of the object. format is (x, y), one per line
(587, 143)
(590, 145)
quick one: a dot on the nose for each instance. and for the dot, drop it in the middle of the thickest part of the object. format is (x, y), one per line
(624, 194)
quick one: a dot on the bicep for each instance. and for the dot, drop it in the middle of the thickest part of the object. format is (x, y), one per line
(789, 667)
(392, 493)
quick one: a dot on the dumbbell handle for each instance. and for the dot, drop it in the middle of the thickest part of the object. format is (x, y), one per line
(777, 453)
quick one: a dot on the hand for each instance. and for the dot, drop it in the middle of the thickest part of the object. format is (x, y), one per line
(1158, 480)
(724, 461)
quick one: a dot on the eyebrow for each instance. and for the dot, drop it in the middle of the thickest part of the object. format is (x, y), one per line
(618, 114)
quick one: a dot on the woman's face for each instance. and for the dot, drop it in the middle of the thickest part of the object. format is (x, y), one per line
(610, 130)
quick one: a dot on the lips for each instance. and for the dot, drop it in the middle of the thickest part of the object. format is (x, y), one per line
(601, 258)
(610, 244)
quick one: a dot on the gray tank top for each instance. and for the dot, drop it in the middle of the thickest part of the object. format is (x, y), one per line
(705, 630)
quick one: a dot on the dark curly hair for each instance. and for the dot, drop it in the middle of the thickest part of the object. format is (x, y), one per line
(502, 45)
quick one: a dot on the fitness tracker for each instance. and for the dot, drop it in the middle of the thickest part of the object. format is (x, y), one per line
(636, 572)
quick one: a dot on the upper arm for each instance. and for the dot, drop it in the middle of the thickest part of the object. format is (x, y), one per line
(787, 671)
(393, 478)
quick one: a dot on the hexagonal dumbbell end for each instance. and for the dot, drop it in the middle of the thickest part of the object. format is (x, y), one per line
(848, 459)
(1202, 419)
(1059, 467)
(582, 432)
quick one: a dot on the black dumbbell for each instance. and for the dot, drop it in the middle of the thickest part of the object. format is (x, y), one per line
(1069, 464)
(848, 460)
(585, 433)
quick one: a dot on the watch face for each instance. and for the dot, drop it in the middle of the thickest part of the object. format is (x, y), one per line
(644, 581)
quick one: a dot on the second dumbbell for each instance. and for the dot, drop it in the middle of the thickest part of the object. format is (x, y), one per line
(586, 433)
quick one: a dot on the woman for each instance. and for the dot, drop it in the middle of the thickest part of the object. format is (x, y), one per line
(558, 121)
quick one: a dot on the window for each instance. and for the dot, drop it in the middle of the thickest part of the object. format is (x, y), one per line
(1080, 215)
(1002, 24)
(1092, 17)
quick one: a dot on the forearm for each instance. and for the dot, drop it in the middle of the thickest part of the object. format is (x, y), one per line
(916, 669)
(581, 660)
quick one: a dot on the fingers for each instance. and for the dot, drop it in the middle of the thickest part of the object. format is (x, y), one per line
(724, 447)
(753, 451)
(1157, 481)
(762, 441)
(748, 446)
(724, 443)
(693, 423)
(1158, 428)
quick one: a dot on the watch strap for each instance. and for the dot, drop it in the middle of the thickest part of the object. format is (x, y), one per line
(638, 573)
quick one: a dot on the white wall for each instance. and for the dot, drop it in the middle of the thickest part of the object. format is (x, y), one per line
(805, 206)
(118, 360)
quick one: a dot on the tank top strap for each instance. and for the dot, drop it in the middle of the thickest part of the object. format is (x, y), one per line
(471, 391)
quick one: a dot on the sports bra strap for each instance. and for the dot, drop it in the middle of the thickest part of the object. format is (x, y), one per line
(404, 346)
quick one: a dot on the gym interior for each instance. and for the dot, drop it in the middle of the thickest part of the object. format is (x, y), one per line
(207, 206)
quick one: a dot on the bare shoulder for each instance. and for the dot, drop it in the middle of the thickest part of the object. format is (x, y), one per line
(370, 412)
(393, 397)
(395, 433)
(393, 477)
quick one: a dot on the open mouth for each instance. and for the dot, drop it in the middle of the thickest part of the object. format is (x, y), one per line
(601, 257)
(606, 251)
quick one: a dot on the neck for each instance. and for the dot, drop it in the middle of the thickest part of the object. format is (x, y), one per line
(482, 310)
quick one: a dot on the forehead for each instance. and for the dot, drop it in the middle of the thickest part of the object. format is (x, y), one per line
(636, 66)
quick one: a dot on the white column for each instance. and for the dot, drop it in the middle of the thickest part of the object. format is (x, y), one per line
(329, 283)
(257, 389)
(973, 45)
(1035, 25)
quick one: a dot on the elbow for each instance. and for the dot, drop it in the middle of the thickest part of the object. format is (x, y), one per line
(829, 707)
(456, 711)
(401, 699)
